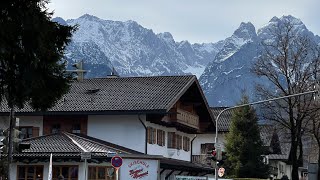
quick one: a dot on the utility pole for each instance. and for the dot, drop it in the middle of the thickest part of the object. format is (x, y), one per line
(10, 148)
(316, 91)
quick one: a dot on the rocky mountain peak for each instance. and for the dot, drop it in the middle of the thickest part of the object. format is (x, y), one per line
(166, 36)
(291, 19)
(89, 17)
(246, 31)
(275, 22)
(59, 20)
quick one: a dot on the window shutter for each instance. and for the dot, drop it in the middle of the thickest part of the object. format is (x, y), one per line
(160, 141)
(174, 141)
(171, 140)
(148, 135)
(154, 136)
(158, 136)
(163, 138)
(35, 131)
(184, 144)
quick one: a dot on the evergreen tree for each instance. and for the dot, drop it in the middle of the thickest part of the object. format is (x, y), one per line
(31, 51)
(244, 146)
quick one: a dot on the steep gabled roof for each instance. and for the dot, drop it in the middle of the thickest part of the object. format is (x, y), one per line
(266, 133)
(224, 120)
(123, 94)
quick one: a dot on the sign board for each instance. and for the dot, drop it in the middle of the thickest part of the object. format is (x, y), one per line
(85, 155)
(221, 172)
(139, 169)
(116, 161)
(190, 178)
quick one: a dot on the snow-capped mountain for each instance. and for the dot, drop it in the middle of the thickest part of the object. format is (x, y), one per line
(229, 75)
(134, 50)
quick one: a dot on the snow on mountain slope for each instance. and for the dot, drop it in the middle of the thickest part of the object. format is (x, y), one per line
(229, 74)
(136, 51)
(225, 66)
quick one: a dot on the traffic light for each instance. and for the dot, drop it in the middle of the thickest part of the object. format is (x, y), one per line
(220, 162)
(212, 154)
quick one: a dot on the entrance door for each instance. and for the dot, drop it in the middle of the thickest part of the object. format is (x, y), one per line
(65, 172)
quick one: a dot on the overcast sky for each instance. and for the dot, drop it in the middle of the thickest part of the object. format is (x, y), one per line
(192, 20)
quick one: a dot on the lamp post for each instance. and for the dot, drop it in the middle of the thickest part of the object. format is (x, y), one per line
(254, 103)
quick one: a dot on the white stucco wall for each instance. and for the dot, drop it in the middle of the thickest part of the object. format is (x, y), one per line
(207, 138)
(286, 168)
(123, 130)
(155, 149)
(128, 131)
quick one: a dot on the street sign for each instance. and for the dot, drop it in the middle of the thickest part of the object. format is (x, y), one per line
(221, 172)
(116, 161)
(85, 155)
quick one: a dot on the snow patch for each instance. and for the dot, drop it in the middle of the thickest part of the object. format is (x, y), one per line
(228, 72)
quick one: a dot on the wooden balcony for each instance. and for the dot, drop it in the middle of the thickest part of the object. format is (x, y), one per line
(201, 159)
(185, 118)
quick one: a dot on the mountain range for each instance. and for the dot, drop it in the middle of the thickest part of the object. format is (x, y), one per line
(223, 67)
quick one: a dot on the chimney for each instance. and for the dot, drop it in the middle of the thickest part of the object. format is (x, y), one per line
(113, 74)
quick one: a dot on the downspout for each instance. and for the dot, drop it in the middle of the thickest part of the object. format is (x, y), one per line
(146, 137)
(195, 136)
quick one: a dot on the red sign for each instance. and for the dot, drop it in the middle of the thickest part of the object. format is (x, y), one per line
(116, 161)
(221, 171)
(138, 169)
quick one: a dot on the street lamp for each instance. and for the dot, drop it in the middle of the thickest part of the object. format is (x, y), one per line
(254, 103)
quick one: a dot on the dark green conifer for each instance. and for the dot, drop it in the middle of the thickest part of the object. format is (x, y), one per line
(31, 49)
(244, 146)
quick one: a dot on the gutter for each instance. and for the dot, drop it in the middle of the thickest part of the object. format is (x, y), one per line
(195, 136)
(146, 137)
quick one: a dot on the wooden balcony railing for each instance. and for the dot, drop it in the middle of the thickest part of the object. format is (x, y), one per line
(201, 159)
(186, 118)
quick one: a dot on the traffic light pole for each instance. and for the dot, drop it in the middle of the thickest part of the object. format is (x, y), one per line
(10, 148)
(254, 103)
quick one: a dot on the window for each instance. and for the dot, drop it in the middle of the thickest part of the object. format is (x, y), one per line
(171, 140)
(161, 137)
(101, 173)
(56, 128)
(186, 143)
(68, 172)
(179, 141)
(76, 128)
(30, 172)
(205, 148)
(151, 135)
(28, 132)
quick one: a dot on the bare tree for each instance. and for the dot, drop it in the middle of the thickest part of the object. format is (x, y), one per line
(314, 127)
(288, 61)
